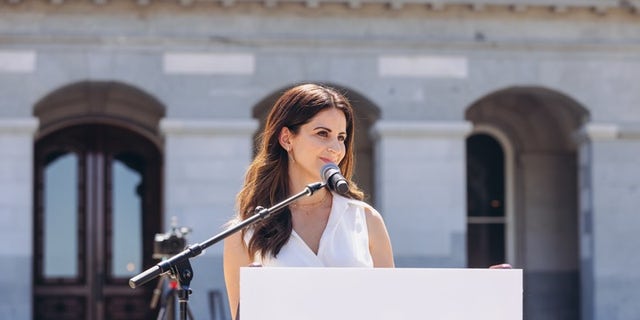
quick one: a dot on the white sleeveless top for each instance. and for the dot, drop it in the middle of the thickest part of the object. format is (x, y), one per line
(344, 241)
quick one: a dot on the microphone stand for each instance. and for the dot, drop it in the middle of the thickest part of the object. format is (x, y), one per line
(180, 267)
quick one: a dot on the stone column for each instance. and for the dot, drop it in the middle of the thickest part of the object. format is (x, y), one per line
(610, 202)
(548, 221)
(421, 190)
(204, 167)
(16, 212)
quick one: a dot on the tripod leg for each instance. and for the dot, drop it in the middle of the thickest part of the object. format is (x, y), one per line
(171, 305)
(167, 306)
(161, 314)
(160, 294)
(157, 292)
(189, 313)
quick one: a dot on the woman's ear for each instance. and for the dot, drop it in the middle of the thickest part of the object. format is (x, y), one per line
(285, 138)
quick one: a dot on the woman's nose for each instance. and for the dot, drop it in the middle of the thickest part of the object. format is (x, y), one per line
(334, 147)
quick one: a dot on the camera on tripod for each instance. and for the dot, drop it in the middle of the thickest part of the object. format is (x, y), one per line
(168, 244)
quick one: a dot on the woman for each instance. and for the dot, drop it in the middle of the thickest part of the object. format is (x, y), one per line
(308, 127)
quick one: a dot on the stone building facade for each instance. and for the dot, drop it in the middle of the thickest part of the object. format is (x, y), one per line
(488, 131)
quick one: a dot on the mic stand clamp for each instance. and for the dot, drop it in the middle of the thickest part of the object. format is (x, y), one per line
(179, 265)
(183, 271)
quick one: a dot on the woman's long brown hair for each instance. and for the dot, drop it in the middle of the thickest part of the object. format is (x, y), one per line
(267, 178)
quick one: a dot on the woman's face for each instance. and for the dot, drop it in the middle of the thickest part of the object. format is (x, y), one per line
(318, 142)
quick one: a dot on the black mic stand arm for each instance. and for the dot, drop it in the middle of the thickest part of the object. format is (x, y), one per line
(179, 265)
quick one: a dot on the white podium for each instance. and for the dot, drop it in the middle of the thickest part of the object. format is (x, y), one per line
(384, 294)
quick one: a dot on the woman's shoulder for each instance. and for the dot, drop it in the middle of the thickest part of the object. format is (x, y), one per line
(368, 209)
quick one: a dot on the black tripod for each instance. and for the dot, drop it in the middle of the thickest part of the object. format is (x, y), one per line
(167, 290)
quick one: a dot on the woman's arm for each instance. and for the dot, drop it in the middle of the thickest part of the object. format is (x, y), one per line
(234, 256)
(379, 242)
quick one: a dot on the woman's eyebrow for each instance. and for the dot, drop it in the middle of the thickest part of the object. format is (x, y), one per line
(325, 128)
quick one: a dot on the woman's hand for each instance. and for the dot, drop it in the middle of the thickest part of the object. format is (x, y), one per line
(501, 266)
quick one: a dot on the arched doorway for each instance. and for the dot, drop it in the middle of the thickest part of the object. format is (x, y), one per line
(97, 201)
(535, 127)
(366, 114)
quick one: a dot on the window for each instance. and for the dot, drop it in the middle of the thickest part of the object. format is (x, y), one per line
(486, 223)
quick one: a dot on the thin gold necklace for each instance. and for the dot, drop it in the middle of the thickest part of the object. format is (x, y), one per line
(314, 204)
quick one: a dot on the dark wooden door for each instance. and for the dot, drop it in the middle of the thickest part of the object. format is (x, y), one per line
(97, 208)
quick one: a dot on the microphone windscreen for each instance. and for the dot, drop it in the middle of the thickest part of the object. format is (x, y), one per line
(334, 179)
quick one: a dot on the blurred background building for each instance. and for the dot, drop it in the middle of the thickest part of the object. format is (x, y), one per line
(488, 131)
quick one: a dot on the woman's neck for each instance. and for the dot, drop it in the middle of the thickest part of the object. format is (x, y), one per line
(316, 200)
(317, 196)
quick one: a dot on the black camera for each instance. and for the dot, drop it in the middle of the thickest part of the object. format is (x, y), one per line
(169, 244)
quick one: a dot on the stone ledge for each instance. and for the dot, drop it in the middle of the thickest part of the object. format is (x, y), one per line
(612, 131)
(431, 129)
(597, 6)
(208, 127)
(18, 125)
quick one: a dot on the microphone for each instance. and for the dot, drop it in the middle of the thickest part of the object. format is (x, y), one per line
(333, 178)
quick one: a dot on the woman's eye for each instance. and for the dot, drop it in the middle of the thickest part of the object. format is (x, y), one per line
(342, 138)
(323, 133)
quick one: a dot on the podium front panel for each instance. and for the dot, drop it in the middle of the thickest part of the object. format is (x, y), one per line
(384, 294)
